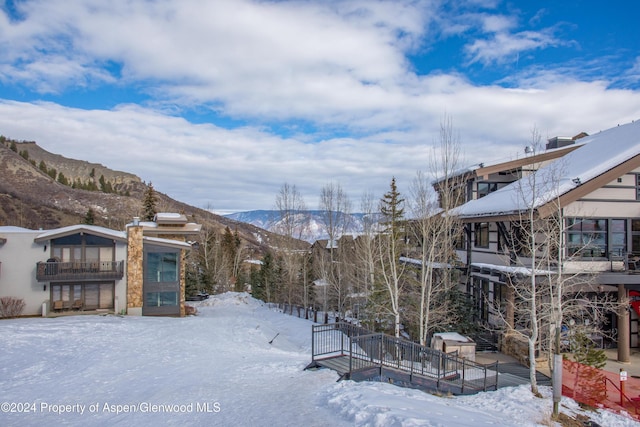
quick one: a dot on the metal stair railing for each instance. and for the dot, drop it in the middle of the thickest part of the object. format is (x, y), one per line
(367, 350)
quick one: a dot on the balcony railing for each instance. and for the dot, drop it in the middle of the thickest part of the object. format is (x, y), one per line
(95, 270)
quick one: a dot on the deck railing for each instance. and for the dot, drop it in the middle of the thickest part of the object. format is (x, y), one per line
(95, 270)
(415, 362)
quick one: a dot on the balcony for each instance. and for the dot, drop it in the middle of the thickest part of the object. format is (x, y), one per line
(76, 271)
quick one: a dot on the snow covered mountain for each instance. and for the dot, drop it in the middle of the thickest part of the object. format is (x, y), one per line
(311, 223)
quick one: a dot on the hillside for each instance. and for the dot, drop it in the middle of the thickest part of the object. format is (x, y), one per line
(31, 197)
(312, 225)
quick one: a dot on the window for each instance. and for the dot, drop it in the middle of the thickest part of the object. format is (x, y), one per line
(161, 299)
(82, 248)
(485, 188)
(162, 267)
(618, 236)
(587, 237)
(481, 235)
(459, 235)
(635, 236)
(84, 296)
(520, 233)
(638, 186)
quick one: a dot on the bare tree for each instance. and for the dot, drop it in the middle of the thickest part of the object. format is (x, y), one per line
(293, 224)
(335, 208)
(365, 253)
(553, 292)
(213, 265)
(389, 250)
(437, 232)
(293, 219)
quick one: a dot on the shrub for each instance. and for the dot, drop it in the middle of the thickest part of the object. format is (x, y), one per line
(11, 307)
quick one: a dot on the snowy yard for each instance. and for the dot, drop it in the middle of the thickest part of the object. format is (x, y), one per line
(217, 368)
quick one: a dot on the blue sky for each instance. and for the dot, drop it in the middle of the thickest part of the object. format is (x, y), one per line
(220, 103)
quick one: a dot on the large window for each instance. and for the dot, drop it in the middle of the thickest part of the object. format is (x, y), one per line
(84, 296)
(162, 267)
(82, 248)
(161, 286)
(485, 188)
(481, 235)
(596, 237)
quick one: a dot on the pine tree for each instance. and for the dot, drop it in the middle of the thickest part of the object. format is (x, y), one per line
(89, 217)
(62, 179)
(392, 210)
(149, 203)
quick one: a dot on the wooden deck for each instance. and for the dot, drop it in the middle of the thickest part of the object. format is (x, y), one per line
(356, 354)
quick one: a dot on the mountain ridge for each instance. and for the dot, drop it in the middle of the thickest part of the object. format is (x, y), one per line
(33, 196)
(312, 225)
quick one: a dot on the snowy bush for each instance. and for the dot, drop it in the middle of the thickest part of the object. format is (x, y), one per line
(11, 307)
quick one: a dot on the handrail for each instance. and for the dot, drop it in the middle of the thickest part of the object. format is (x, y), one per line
(623, 395)
(367, 349)
(77, 270)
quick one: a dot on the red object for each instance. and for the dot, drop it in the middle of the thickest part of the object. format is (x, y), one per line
(634, 300)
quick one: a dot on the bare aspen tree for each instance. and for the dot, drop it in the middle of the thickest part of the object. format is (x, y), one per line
(214, 266)
(365, 252)
(293, 223)
(335, 208)
(437, 231)
(293, 219)
(549, 293)
(390, 247)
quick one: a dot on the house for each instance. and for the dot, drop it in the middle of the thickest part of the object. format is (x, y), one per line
(593, 191)
(92, 269)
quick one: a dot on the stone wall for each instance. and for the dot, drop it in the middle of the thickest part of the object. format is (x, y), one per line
(517, 346)
(134, 270)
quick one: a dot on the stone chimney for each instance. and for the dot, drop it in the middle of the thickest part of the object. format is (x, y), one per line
(134, 268)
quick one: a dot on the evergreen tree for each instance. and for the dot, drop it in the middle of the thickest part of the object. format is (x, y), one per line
(392, 210)
(267, 285)
(62, 179)
(89, 217)
(13, 147)
(585, 351)
(149, 203)
(391, 247)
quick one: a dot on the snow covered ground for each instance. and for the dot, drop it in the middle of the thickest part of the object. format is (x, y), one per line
(218, 368)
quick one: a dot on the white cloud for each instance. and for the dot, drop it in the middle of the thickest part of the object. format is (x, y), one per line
(334, 65)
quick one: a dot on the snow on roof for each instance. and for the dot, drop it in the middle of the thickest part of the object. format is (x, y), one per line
(419, 262)
(452, 336)
(91, 229)
(598, 154)
(13, 229)
(167, 242)
(472, 168)
(511, 269)
(169, 215)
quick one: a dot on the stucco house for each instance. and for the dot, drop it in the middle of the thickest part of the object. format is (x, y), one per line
(592, 190)
(92, 269)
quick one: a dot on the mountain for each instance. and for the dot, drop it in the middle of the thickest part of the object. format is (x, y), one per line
(39, 189)
(311, 223)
